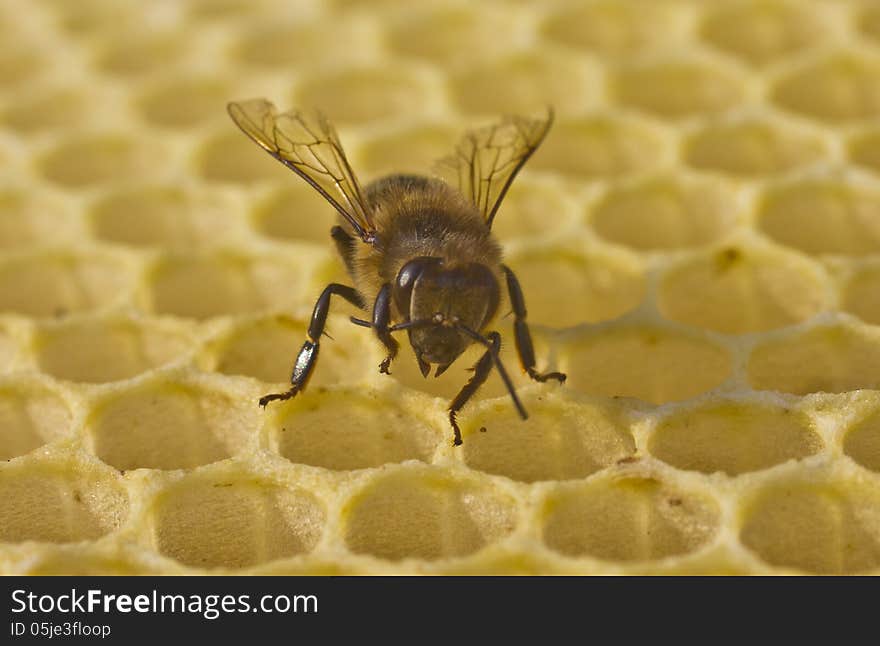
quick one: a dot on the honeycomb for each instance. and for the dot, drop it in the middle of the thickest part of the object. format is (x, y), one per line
(698, 241)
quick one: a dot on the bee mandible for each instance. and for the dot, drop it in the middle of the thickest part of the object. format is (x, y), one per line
(419, 250)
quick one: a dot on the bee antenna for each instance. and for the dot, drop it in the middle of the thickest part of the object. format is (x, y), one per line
(360, 322)
(407, 325)
(493, 352)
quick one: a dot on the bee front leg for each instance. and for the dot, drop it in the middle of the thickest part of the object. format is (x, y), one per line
(381, 320)
(308, 354)
(522, 336)
(481, 372)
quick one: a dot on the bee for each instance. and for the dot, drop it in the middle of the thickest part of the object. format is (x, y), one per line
(419, 250)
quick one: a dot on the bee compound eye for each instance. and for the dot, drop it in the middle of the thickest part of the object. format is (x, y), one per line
(407, 277)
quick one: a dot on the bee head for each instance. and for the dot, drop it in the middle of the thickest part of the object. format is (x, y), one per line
(444, 298)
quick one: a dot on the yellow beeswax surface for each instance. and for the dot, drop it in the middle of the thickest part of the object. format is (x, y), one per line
(698, 241)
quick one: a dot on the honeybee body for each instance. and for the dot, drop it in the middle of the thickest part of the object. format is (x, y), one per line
(427, 224)
(421, 217)
(420, 251)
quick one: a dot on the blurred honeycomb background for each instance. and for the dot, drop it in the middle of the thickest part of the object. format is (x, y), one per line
(698, 241)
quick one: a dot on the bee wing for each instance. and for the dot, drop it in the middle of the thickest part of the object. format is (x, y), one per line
(487, 160)
(309, 146)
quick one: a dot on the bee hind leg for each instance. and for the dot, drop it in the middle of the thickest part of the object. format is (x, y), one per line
(308, 354)
(522, 336)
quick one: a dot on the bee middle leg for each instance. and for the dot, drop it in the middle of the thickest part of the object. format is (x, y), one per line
(308, 354)
(522, 336)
